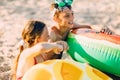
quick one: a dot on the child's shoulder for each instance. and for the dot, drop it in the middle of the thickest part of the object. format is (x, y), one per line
(53, 28)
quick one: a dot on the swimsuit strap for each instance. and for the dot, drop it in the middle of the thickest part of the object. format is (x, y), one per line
(35, 61)
(19, 78)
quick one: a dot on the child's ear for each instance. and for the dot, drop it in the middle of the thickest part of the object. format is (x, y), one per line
(56, 19)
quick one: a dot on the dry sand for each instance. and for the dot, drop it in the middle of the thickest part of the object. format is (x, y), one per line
(14, 13)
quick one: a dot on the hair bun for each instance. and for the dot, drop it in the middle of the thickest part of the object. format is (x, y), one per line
(53, 5)
(56, 5)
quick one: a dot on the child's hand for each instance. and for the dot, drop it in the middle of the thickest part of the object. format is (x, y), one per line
(58, 49)
(63, 44)
(106, 30)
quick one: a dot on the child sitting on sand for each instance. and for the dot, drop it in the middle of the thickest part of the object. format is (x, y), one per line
(35, 35)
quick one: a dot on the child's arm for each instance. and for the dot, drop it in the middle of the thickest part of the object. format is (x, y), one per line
(105, 30)
(41, 48)
(80, 26)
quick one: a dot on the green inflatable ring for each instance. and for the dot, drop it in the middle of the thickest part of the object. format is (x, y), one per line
(98, 49)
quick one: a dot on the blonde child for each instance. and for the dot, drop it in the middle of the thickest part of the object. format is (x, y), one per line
(38, 49)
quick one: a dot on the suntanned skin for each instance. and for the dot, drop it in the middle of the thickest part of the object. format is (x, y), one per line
(42, 49)
(29, 54)
(64, 23)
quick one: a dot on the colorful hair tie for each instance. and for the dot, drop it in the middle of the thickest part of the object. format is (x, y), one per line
(62, 3)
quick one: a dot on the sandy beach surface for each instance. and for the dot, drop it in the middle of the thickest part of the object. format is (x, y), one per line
(14, 14)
